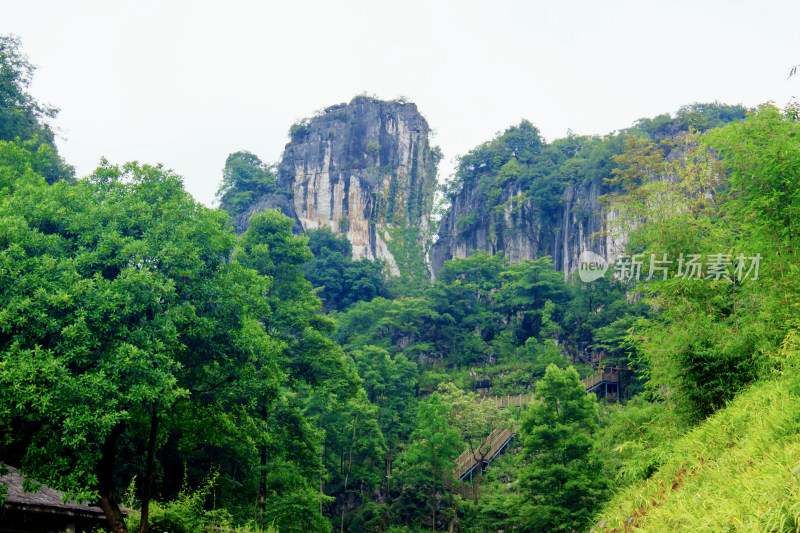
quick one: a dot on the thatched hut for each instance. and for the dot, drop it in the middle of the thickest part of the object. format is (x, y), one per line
(43, 511)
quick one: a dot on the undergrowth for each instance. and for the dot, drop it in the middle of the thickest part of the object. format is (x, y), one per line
(187, 514)
(737, 471)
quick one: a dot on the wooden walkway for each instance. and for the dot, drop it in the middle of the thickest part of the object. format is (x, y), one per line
(605, 375)
(496, 442)
(517, 400)
(499, 439)
(603, 378)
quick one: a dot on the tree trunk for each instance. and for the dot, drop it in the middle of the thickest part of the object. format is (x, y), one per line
(262, 471)
(452, 520)
(388, 469)
(321, 482)
(349, 466)
(476, 482)
(433, 508)
(108, 498)
(262, 484)
(148, 482)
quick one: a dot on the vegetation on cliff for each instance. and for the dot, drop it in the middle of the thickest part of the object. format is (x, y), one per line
(508, 194)
(245, 178)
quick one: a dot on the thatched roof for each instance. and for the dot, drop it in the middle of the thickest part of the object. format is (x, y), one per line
(45, 500)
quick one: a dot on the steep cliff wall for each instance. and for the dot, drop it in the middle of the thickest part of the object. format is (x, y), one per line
(516, 230)
(582, 229)
(521, 231)
(366, 170)
(527, 198)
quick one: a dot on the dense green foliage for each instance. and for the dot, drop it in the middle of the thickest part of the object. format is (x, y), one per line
(133, 347)
(22, 116)
(245, 179)
(117, 306)
(428, 461)
(718, 341)
(519, 166)
(518, 158)
(339, 280)
(715, 335)
(268, 382)
(561, 482)
(693, 117)
(482, 314)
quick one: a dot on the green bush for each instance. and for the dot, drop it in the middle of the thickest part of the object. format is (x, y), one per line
(188, 514)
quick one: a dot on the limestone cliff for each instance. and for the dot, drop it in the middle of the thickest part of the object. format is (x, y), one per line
(521, 232)
(365, 170)
(583, 228)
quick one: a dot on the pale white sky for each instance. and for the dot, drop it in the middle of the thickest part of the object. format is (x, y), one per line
(187, 83)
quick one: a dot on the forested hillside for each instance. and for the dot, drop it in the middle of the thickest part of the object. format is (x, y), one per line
(527, 198)
(188, 372)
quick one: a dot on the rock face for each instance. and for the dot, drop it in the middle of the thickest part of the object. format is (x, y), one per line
(269, 201)
(520, 233)
(365, 170)
(583, 229)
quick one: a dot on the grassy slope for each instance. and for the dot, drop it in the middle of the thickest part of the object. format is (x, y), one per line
(738, 471)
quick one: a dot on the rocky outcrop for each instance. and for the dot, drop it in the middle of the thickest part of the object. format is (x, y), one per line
(521, 231)
(583, 227)
(495, 209)
(269, 201)
(365, 170)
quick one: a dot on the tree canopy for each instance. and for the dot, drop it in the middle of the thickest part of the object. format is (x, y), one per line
(245, 179)
(22, 116)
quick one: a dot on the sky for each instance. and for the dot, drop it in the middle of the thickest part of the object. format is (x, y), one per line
(187, 83)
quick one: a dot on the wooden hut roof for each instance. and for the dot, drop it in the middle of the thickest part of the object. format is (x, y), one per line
(45, 499)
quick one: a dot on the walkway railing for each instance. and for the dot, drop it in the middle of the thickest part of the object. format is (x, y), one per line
(499, 438)
(516, 400)
(605, 375)
(494, 443)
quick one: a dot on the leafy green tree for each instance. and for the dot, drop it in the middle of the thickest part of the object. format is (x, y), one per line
(270, 248)
(560, 480)
(698, 117)
(599, 318)
(390, 384)
(724, 197)
(312, 361)
(510, 158)
(526, 288)
(245, 179)
(404, 325)
(760, 154)
(429, 460)
(463, 297)
(356, 446)
(339, 280)
(24, 118)
(358, 326)
(108, 320)
(474, 420)
(323, 238)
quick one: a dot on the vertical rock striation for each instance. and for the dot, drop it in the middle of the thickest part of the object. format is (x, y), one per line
(582, 228)
(520, 232)
(528, 199)
(365, 170)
